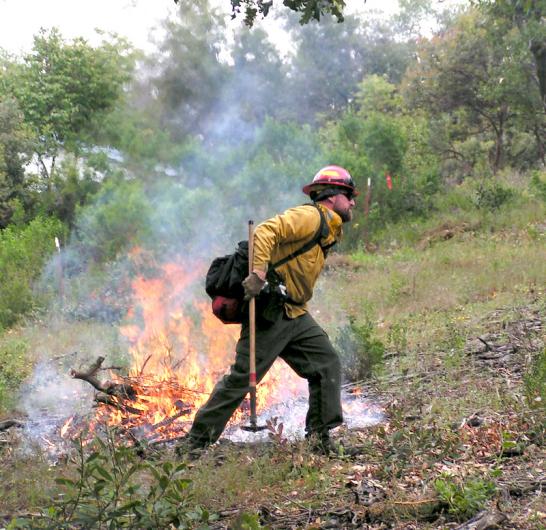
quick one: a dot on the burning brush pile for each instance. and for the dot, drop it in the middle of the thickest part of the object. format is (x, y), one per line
(178, 352)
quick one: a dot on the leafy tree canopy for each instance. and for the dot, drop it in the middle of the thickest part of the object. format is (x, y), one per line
(63, 88)
(186, 76)
(307, 9)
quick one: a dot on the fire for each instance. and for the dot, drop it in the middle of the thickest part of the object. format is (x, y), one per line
(179, 351)
(66, 426)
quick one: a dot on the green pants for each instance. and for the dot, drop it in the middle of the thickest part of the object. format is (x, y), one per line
(306, 348)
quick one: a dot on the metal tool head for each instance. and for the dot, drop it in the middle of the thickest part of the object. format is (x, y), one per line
(253, 427)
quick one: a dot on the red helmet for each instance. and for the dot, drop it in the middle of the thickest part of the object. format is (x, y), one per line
(331, 177)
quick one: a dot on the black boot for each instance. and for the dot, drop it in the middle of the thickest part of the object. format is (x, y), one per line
(189, 447)
(323, 445)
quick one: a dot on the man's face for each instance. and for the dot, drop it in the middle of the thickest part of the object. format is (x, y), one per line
(343, 206)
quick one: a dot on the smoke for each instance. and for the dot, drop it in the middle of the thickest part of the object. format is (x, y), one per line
(240, 169)
(48, 399)
(358, 413)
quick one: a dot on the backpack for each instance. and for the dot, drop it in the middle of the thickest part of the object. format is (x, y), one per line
(226, 273)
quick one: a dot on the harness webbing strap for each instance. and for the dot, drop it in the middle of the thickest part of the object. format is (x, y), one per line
(308, 246)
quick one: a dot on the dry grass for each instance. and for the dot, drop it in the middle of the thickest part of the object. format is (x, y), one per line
(425, 306)
(453, 280)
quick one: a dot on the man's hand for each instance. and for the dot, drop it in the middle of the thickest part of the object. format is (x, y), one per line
(253, 284)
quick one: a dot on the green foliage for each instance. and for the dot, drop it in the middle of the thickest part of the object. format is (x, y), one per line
(187, 75)
(361, 351)
(70, 187)
(258, 64)
(114, 488)
(15, 148)
(397, 337)
(247, 521)
(14, 368)
(483, 100)
(538, 183)
(331, 59)
(253, 178)
(145, 148)
(307, 9)
(528, 16)
(380, 138)
(491, 195)
(464, 499)
(535, 381)
(64, 89)
(328, 64)
(23, 253)
(117, 219)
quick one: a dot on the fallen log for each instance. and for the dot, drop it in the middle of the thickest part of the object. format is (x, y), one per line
(167, 421)
(8, 424)
(526, 484)
(484, 521)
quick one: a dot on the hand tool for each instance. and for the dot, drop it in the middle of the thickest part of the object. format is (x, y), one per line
(253, 426)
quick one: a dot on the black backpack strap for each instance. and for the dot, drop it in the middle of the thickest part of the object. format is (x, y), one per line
(321, 232)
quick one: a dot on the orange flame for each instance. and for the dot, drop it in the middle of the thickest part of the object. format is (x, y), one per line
(179, 350)
(66, 426)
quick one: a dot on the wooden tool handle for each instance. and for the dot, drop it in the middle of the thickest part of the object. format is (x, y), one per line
(252, 309)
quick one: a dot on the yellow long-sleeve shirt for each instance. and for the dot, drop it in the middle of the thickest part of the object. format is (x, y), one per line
(287, 233)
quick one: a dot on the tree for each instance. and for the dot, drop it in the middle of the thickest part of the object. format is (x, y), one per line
(529, 16)
(331, 59)
(307, 9)
(15, 149)
(259, 73)
(186, 76)
(378, 135)
(475, 76)
(525, 21)
(326, 67)
(64, 89)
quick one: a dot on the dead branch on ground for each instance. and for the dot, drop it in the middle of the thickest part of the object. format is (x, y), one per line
(119, 390)
(8, 424)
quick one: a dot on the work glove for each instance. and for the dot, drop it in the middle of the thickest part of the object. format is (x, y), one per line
(253, 284)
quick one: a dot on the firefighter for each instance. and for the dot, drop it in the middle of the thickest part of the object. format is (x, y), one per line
(294, 336)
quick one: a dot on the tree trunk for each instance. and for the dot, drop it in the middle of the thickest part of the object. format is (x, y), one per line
(499, 139)
(539, 135)
(538, 49)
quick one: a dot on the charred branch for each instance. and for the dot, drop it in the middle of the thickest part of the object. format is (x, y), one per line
(8, 424)
(120, 390)
(112, 401)
(167, 421)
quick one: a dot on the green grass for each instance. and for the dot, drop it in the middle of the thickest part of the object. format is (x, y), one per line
(15, 367)
(28, 481)
(452, 281)
(414, 306)
(535, 382)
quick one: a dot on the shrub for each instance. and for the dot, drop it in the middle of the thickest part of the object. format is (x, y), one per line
(23, 253)
(492, 195)
(465, 499)
(360, 350)
(116, 220)
(535, 382)
(115, 488)
(538, 184)
(13, 370)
